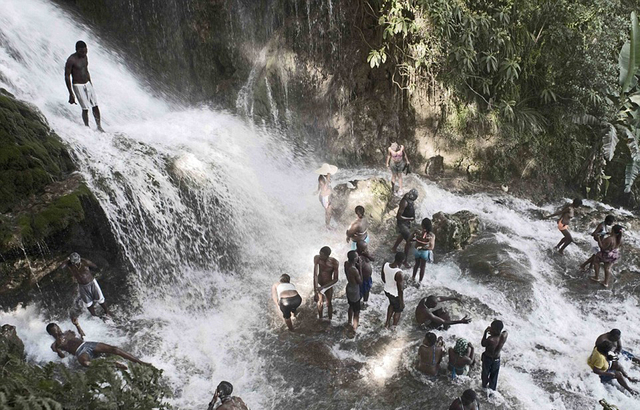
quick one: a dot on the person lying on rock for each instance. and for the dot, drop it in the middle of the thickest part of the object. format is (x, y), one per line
(614, 336)
(433, 315)
(566, 214)
(406, 214)
(363, 263)
(430, 354)
(358, 229)
(325, 277)
(605, 364)
(88, 287)
(425, 241)
(601, 231)
(286, 298)
(228, 402)
(84, 351)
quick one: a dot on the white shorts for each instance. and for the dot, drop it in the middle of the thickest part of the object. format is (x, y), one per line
(85, 95)
(91, 292)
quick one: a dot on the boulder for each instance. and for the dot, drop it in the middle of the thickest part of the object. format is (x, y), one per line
(454, 232)
(373, 194)
(435, 166)
(10, 344)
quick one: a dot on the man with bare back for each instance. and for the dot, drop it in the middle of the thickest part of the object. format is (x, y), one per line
(325, 276)
(78, 81)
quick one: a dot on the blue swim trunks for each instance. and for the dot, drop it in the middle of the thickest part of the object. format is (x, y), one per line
(365, 286)
(425, 254)
(354, 245)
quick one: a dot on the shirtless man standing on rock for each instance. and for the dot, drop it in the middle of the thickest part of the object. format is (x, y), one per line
(493, 340)
(85, 351)
(325, 276)
(364, 267)
(90, 291)
(77, 67)
(354, 279)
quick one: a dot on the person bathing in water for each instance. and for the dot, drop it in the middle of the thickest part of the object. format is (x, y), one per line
(363, 263)
(227, 401)
(78, 81)
(432, 315)
(425, 241)
(614, 336)
(430, 354)
(565, 214)
(325, 192)
(605, 364)
(394, 289)
(88, 287)
(354, 279)
(358, 230)
(468, 401)
(406, 214)
(461, 358)
(325, 276)
(601, 231)
(84, 351)
(608, 255)
(397, 160)
(286, 298)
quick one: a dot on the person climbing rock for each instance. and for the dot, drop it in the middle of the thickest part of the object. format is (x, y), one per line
(227, 401)
(394, 289)
(358, 229)
(433, 315)
(325, 276)
(397, 160)
(325, 192)
(493, 341)
(78, 81)
(286, 298)
(405, 215)
(354, 279)
(85, 351)
(566, 214)
(461, 358)
(468, 401)
(605, 364)
(601, 231)
(430, 354)
(608, 255)
(88, 287)
(425, 241)
(363, 263)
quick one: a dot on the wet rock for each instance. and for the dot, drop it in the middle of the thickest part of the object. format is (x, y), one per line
(435, 166)
(373, 194)
(454, 232)
(10, 344)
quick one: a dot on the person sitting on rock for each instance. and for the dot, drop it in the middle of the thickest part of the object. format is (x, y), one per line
(605, 364)
(286, 298)
(84, 351)
(406, 214)
(88, 287)
(461, 358)
(358, 229)
(614, 336)
(430, 354)
(609, 254)
(432, 315)
(566, 213)
(425, 241)
(396, 157)
(601, 231)
(468, 401)
(228, 402)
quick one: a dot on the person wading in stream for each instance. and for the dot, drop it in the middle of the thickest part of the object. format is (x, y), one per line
(358, 230)
(605, 364)
(78, 81)
(228, 402)
(364, 267)
(286, 298)
(354, 279)
(493, 340)
(88, 287)
(609, 254)
(406, 214)
(394, 289)
(432, 315)
(397, 160)
(325, 276)
(430, 354)
(614, 336)
(325, 192)
(84, 351)
(601, 232)
(566, 214)
(425, 241)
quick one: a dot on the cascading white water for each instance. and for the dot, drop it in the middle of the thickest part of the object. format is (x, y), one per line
(210, 212)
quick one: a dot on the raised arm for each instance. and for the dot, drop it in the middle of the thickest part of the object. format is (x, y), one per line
(503, 338)
(484, 337)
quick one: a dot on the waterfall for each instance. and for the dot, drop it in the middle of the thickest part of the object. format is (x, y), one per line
(210, 211)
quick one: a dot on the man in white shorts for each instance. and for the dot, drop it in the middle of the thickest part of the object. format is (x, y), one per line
(88, 287)
(76, 72)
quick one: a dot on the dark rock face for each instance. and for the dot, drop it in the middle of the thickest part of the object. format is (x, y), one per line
(454, 232)
(10, 344)
(435, 166)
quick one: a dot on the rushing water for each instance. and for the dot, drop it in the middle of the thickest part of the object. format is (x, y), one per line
(210, 211)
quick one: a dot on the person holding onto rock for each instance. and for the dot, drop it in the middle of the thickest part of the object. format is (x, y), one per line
(394, 288)
(227, 401)
(608, 255)
(88, 287)
(405, 215)
(354, 279)
(468, 401)
(286, 298)
(325, 192)
(425, 241)
(396, 161)
(433, 315)
(601, 231)
(493, 340)
(325, 276)
(566, 214)
(363, 263)
(430, 354)
(84, 351)
(614, 336)
(358, 230)
(605, 364)
(461, 358)
(78, 81)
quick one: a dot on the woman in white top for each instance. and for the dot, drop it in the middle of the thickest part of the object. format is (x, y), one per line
(286, 298)
(393, 288)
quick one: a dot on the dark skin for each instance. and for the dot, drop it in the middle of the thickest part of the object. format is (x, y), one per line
(400, 284)
(358, 229)
(285, 294)
(353, 278)
(363, 264)
(76, 71)
(325, 275)
(619, 373)
(458, 361)
(82, 274)
(424, 240)
(493, 341)
(607, 244)
(459, 405)
(69, 342)
(596, 235)
(439, 318)
(617, 344)
(399, 217)
(228, 403)
(425, 357)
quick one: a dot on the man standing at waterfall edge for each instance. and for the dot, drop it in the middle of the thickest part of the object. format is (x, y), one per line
(88, 286)
(325, 276)
(78, 81)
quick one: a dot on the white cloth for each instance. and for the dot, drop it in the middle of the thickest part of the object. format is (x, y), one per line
(90, 293)
(85, 95)
(390, 285)
(283, 287)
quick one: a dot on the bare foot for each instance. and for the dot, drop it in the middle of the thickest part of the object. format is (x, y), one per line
(594, 278)
(605, 285)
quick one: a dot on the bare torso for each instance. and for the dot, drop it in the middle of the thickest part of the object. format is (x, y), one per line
(358, 229)
(78, 67)
(81, 272)
(365, 266)
(429, 358)
(68, 342)
(326, 269)
(233, 403)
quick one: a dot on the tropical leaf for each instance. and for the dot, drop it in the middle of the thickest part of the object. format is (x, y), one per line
(629, 58)
(585, 119)
(610, 141)
(631, 173)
